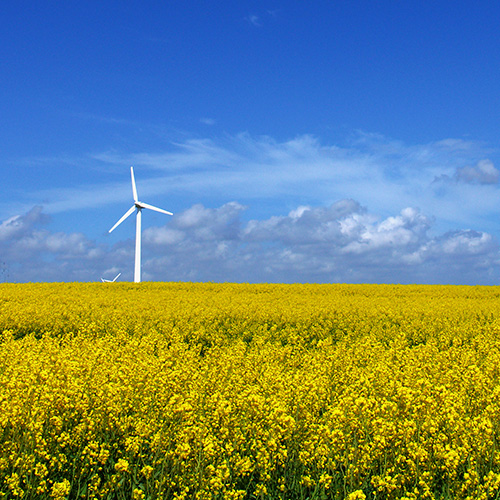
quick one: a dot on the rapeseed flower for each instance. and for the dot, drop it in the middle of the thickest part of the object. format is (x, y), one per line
(241, 391)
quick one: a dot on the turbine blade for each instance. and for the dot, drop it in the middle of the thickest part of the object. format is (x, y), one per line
(134, 187)
(117, 276)
(156, 209)
(127, 213)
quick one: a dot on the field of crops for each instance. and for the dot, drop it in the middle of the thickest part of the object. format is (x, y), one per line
(178, 390)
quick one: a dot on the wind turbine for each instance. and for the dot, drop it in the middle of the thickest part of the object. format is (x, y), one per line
(111, 281)
(137, 206)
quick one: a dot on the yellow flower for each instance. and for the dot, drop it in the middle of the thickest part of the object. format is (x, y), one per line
(203, 389)
(356, 495)
(138, 494)
(260, 490)
(60, 490)
(146, 471)
(122, 465)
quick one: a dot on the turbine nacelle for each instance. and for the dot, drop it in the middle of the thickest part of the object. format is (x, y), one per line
(140, 205)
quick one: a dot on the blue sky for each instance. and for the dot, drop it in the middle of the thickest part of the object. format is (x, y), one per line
(294, 141)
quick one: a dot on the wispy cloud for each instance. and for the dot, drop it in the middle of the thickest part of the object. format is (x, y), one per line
(112, 120)
(208, 121)
(254, 20)
(386, 174)
(272, 176)
(258, 20)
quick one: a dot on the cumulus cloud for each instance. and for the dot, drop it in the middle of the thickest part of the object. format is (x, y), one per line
(19, 225)
(30, 251)
(402, 231)
(464, 242)
(483, 172)
(304, 225)
(339, 243)
(202, 224)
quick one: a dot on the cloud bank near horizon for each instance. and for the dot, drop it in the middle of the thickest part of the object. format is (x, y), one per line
(342, 242)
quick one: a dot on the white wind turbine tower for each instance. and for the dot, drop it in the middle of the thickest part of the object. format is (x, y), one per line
(138, 206)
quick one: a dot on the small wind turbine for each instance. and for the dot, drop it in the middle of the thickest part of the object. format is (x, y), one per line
(111, 281)
(138, 206)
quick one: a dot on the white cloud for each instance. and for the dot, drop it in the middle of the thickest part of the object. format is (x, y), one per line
(19, 225)
(265, 15)
(208, 121)
(163, 236)
(339, 243)
(254, 20)
(401, 231)
(30, 251)
(209, 224)
(483, 172)
(464, 242)
(304, 225)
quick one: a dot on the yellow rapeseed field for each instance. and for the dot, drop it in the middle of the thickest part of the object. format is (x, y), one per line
(207, 391)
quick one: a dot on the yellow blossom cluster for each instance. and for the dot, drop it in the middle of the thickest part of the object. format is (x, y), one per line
(237, 391)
